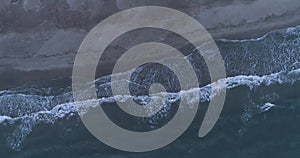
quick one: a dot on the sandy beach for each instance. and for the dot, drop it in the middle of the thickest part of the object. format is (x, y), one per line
(39, 39)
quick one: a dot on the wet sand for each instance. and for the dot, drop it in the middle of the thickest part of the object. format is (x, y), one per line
(39, 39)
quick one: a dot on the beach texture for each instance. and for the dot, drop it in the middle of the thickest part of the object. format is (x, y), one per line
(258, 40)
(39, 39)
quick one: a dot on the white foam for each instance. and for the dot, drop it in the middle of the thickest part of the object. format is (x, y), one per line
(267, 107)
(244, 40)
(288, 30)
(3, 118)
(206, 93)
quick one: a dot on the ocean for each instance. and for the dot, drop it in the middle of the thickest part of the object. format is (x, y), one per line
(259, 119)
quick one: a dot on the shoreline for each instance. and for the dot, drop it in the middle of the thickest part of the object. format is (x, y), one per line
(31, 47)
(17, 77)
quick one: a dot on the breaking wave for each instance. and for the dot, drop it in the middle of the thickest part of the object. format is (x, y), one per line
(262, 73)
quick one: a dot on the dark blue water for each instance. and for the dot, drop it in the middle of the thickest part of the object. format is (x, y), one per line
(260, 116)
